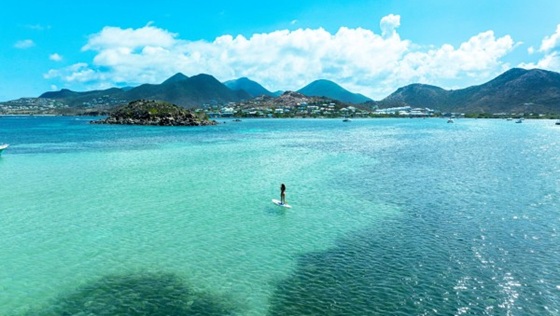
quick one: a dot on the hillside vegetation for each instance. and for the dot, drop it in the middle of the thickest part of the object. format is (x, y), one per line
(150, 112)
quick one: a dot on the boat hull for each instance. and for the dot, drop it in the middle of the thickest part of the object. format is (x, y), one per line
(2, 147)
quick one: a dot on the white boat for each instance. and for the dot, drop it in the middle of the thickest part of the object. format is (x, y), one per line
(519, 121)
(2, 147)
(450, 120)
(347, 120)
(557, 122)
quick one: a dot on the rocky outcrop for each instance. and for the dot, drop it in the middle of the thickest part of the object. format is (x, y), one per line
(158, 113)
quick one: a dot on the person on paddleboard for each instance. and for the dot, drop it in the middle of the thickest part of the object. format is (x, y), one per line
(282, 194)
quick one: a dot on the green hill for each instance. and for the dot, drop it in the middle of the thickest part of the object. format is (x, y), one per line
(248, 85)
(329, 89)
(516, 90)
(188, 92)
(150, 112)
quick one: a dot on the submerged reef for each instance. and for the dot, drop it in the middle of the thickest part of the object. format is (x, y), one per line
(138, 294)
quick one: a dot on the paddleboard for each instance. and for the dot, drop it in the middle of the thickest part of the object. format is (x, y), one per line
(277, 202)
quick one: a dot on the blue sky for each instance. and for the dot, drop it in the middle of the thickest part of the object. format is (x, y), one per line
(367, 46)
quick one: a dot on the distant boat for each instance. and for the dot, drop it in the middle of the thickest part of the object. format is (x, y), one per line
(557, 122)
(2, 147)
(450, 120)
(346, 120)
(519, 121)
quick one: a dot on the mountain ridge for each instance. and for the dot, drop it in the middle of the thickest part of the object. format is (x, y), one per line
(252, 87)
(330, 89)
(515, 90)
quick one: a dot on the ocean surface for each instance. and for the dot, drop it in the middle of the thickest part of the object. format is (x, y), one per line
(389, 217)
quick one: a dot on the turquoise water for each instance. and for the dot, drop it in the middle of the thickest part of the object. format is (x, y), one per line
(390, 216)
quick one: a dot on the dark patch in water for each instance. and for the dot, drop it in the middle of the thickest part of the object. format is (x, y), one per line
(350, 279)
(399, 268)
(138, 294)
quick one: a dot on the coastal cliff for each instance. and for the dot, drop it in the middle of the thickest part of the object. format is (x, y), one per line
(158, 113)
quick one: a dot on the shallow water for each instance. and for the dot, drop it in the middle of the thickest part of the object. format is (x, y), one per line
(390, 216)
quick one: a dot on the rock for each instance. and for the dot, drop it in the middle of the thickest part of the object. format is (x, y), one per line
(159, 113)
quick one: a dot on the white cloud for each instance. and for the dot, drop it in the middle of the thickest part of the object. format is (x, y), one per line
(480, 53)
(80, 72)
(550, 61)
(24, 44)
(356, 58)
(55, 57)
(550, 47)
(551, 42)
(111, 37)
(389, 25)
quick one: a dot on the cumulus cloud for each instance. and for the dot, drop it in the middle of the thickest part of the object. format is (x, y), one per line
(115, 37)
(552, 42)
(55, 57)
(80, 72)
(24, 44)
(389, 25)
(481, 52)
(356, 58)
(550, 61)
(550, 48)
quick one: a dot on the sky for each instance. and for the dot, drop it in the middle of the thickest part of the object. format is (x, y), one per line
(371, 47)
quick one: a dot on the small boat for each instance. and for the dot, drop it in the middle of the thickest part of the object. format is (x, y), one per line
(519, 121)
(346, 120)
(557, 122)
(450, 120)
(2, 147)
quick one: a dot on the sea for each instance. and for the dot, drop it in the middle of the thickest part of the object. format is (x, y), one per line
(389, 217)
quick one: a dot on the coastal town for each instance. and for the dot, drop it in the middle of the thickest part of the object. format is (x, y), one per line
(288, 105)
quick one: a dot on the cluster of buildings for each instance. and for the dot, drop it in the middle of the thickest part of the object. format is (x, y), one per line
(25, 106)
(304, 109)
(405, 111)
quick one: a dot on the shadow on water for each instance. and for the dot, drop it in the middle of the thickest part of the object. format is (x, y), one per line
(361, 276)
(398, 269)
(138, 294)
(275, 211)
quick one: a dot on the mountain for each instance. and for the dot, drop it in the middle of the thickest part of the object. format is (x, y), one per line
(65, 93)
(329, 89)
(108, 97)
(176, 77)
(250, 86)
(516, 90)
(178, 89)
(416, 95)
(187, 91)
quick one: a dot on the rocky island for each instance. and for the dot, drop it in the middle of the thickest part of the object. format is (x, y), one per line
(158, 113)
